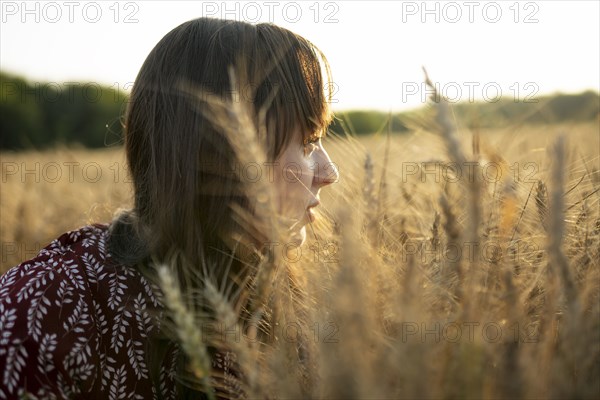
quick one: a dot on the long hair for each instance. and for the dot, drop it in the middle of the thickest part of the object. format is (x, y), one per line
(182, 163)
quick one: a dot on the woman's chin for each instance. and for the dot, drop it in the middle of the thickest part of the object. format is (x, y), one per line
(295, 229)
(298, 236)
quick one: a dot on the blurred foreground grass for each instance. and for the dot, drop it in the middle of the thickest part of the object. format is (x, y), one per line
(416, 290)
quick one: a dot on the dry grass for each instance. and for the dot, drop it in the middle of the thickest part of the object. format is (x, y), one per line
(47, 193)
(420, 280)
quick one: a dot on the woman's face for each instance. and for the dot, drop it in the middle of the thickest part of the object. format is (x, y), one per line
(303, 169)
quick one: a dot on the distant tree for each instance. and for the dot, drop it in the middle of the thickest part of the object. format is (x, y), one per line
(38, 115)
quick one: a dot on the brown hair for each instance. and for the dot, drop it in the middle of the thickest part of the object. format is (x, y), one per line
(179, 160)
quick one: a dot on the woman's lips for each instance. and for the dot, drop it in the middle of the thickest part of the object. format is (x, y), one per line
(310, 212)
(311, 215)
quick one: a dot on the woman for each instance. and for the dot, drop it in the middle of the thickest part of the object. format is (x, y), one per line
(222, 137)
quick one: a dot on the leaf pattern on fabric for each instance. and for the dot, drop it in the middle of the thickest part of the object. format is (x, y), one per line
(73, 324)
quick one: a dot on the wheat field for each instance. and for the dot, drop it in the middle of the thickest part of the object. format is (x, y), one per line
(461, 266)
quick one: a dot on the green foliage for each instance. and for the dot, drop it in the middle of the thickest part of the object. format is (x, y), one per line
(42, 114)
(365, 122)
(553, 109)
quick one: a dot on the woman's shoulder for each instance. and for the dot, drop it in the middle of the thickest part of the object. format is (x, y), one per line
(71, 312)
(86, 241)
(88, 237)
(79, 258)
(81, 247)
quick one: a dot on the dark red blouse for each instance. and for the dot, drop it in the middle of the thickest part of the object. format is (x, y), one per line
(75, 325)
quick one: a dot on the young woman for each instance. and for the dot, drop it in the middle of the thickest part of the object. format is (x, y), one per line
(222, 137)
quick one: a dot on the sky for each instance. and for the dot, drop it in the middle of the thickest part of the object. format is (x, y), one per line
(472, 50)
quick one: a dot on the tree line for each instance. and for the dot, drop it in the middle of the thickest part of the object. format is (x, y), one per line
(43, 114)
(504, 113)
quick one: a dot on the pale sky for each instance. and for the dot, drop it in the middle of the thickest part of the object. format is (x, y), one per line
(472, 49)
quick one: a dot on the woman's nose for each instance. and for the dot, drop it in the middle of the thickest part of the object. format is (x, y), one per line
(326, 171)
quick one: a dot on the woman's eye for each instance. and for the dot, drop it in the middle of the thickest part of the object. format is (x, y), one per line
(310, 145)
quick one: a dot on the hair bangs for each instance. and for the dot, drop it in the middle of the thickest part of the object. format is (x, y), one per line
(294, 88)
